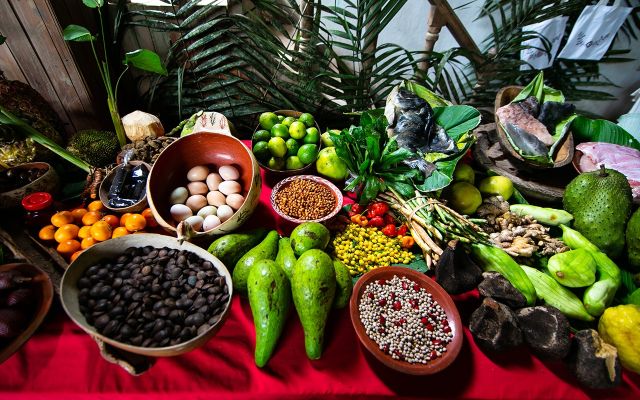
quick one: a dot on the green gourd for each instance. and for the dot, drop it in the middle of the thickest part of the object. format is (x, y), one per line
(229, 248)
(286, 259)
(344, 285)
(265, 250)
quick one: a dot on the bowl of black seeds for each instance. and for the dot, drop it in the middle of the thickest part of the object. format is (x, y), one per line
(148, 294)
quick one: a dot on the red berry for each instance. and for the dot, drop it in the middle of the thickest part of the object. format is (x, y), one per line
(424, 320)
(397, 305)
(446, 329)
(381, 330)
(405, 285)
(436, 342)
(433, 355)
(382, 302)
(382, 281)
(393, 296)
(382, 320)
(416, 287)
(429, 327)
(370, 295)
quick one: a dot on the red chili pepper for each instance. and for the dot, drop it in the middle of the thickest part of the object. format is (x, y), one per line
(376, 222)
(402, 230)
(379, 208)
(351, 213)
(371, 214)
(356, 208)
(388, 219)
(389, 230)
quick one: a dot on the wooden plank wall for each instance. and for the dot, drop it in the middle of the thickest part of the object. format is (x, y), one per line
(36, 53)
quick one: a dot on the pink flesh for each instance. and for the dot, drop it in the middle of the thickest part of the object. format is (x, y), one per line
(517, 116)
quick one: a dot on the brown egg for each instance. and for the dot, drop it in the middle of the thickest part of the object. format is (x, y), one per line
(197, 188)
(198, 173)
(196, 202)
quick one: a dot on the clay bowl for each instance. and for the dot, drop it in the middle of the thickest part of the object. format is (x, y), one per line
(113, 248)
(104, 192)
(438, 294)
(287, 181)
(170, 171)
(564, 151)
(291, 172)
(44, 295)
(48, 182)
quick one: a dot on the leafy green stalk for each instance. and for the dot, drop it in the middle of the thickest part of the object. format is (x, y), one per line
(7, 118)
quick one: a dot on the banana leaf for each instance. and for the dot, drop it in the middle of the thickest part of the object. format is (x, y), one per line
(600, 130)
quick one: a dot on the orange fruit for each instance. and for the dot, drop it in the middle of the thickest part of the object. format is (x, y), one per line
(47, 233)
(148, 215)
(87, 242)
(61, 218)
(68, 247)
(84, 232)
(77, 215)
(75, 255)
(119, 231)
(112, 220)
(95, 205)
(135, 222)
(101, 231)
(123, 218)
(66, 232)
(91, 217)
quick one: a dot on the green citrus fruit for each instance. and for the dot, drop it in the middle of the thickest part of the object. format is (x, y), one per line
(261, 151)
(464, 198)
(280, 118)
(330, 165)
(277, 147)
(326, 137)
(464, 173)
(312, 136)
(276, 163)
(292, 147)
(293, 162)
(288, 121)
(297, 130)
(307, 119)
(261, 135)
(496, 185)
(280, 130)
(308, 153)
(268, 120)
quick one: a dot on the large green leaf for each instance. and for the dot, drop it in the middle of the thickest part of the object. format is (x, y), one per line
(427, 95)
(443, 174)
(145, 60)
(77, 33)
(601, 130)
(457, 120)
(93, 3)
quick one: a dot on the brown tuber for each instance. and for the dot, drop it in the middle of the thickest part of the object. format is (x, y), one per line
(455, 271)
(594, 362)
(494, 326)
(499, 288)
(545, 330)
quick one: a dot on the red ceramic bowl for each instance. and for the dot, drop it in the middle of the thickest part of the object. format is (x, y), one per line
(439, 295)
(283, 183)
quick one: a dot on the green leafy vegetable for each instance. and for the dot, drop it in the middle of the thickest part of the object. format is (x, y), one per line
(77, 33)
(601, 130)
(145, 60)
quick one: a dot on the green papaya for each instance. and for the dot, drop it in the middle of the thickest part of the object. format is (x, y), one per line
(270, 300)
(265, 250)
(633, 241)
(309, 235)
(344, 285)
(574, 268)
(313, 286)
(286, 259)
(600, 202)
(229, 248)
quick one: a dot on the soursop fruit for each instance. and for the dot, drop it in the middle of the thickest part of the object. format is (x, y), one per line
(633, 241)
(600, 202)
(98, 148)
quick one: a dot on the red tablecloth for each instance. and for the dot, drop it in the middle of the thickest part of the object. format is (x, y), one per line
(62, 362)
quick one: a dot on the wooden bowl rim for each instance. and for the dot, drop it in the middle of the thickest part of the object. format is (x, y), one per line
(139, 240)
(502, 137)
(280, 185)
(46, 297)
(443, 298)
(103, 191)
(289, 113)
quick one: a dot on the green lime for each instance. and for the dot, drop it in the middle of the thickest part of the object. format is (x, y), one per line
(312, 136)
(496, 185)
(277, 147)
(261, 151)
(464, 198)
(292, 147)
(280, 130)
(280, 118)
(293, 162)
(307, 119)
(268, 120)
(464, 173)
(297, 130)
(326, 137)
(288, 121)
(330, 165)
(276, 163)
(308, 153)
(261, 135)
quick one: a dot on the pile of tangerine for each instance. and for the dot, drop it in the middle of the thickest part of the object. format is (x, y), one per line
(81, 228)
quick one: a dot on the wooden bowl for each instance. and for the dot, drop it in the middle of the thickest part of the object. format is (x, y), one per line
(48, 182)
(439, 295)
(170, 171)
(564, 151)
(112, 249)
(105, 185)
(290, 172)
(285, 182)
(44, 292)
